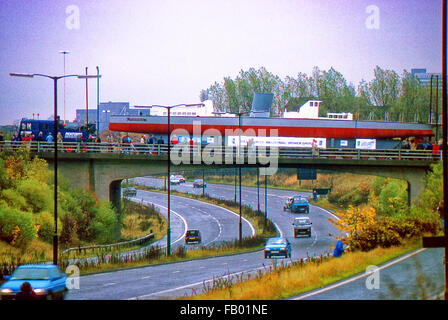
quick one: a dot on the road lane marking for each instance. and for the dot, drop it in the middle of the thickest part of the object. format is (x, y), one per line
(109, 284)
(282, 235)
(225, 209)
(217, 222)
(177, 214)
(194, 284)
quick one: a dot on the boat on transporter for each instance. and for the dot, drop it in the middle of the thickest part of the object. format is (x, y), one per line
(337, 129)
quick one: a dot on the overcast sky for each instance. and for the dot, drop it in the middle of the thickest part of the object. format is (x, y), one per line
(165, 52)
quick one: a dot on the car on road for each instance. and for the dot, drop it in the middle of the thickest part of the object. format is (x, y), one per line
(297, 204)
(199, 183)
(129, 192)
(302, 226)
(193, 235)
(47, 281)
(181, 178)
(279, 246)
(174, 179)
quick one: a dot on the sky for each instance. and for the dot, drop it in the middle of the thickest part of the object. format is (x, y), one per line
(165, 52)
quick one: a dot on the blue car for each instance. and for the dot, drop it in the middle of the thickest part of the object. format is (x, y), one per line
(47, 281)
(297, 204)
(277, 247)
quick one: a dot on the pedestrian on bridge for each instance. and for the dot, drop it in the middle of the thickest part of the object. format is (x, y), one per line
(40, 139)
(151, 142)
(49, 137)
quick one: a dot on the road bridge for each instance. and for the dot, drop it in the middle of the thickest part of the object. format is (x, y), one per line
(102, 167)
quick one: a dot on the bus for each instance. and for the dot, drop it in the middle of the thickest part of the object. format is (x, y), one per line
(70, 133)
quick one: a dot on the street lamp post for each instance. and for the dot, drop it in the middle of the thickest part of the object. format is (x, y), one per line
(168, 108)
(265, 200)
(55, 143)
(97, 102)
(240, 225)
(64, 54)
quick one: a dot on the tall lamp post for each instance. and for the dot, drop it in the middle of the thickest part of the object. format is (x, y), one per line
(87, 102)
(64, 54)
(97, 102)
(240, 225)
(168, 108)
(55, 158)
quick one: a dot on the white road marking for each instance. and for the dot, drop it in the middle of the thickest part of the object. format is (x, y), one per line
(225, 209)
(109, 284)
(193, 284)
(217, 222)
(177, 214)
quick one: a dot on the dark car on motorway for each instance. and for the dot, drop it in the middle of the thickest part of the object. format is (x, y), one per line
(47, 281)
(192, 236)
(277, 247)
(199, 183)
(302, 226)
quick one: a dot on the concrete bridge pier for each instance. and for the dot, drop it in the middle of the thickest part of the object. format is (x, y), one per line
(115, 199)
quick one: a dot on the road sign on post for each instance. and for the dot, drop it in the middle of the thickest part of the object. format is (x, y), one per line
(306, 174)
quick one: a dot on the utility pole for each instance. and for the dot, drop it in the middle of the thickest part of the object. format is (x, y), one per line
(87, 103)
(97, 102)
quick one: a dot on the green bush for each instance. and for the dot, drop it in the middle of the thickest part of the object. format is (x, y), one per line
(104, 223)
(37, 194)
(45, 221)
(14, 199)
(393, 198)
(16, 227)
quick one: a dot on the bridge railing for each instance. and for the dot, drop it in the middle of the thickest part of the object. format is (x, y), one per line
(84, 147)
(213, 150)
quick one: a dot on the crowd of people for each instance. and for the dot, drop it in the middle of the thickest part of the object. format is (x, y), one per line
(151, 144)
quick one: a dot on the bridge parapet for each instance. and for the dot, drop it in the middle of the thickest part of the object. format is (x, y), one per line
(101, 166)
(215, 154)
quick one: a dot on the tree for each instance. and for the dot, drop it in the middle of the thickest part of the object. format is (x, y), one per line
(413, 102)
(382, 93)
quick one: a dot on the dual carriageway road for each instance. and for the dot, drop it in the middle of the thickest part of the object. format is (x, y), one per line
(217, 224)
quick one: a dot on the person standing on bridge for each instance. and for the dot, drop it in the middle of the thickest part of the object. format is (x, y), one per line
(40, 139)
(151, 142)
(110, 142)
(49, 138)
(160, 143)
